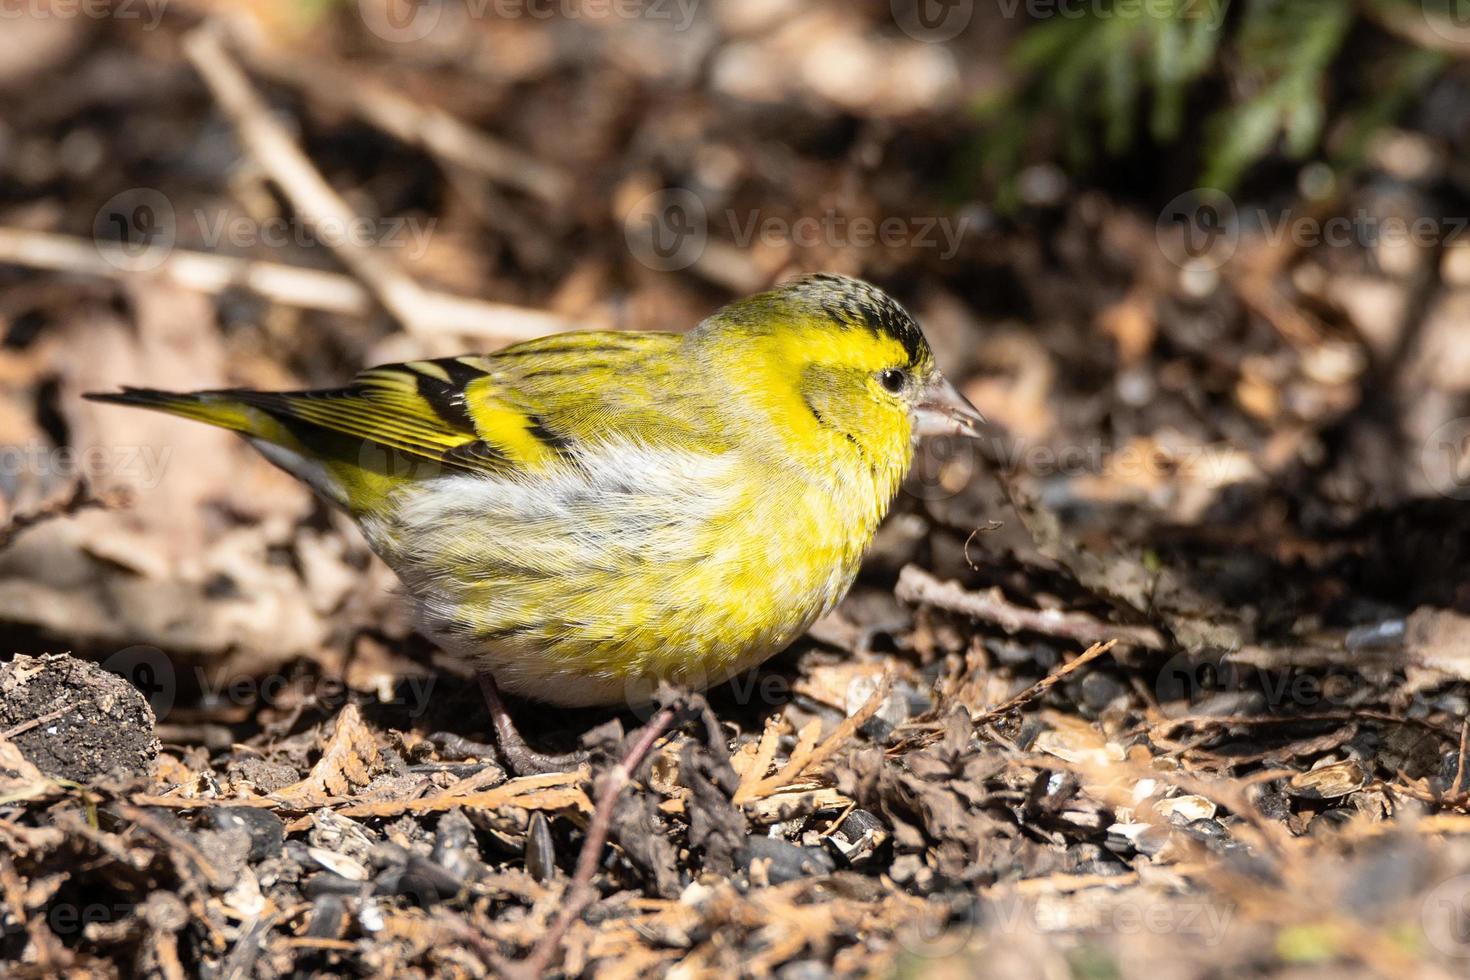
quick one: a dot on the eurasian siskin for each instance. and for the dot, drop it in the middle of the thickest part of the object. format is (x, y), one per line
(583, 513)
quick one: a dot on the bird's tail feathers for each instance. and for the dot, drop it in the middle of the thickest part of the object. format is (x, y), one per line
(222, 408)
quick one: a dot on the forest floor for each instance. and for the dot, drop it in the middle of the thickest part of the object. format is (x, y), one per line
(1166, 678)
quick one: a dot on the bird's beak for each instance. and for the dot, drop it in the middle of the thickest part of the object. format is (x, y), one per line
(943, 411)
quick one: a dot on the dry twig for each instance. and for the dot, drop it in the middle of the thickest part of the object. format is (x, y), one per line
(580, 893)
(414, 123)
(26, 726)
(808, 755)
(1045, 684)
(267, 141)
(308, 289)
(920, 588)
(81, 498)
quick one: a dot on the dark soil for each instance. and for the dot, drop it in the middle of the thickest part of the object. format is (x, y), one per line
(74, 720)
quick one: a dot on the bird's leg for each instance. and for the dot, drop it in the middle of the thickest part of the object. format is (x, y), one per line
(518, 756)
(508, 745)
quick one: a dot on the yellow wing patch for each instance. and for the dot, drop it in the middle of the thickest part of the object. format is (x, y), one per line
(519, 409)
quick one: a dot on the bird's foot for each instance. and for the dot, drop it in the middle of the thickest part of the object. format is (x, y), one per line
(519, 757)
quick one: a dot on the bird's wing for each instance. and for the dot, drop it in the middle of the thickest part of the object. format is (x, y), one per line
(515, 410)
(508, 413)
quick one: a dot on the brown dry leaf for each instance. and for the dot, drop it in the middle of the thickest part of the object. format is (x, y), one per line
(1329, 782)
(347, 761)
(1437, 641)
(808, 755)
(19, 779)
(754, 760)
(165, 570)
(829, 683)
(788, 806)
(169, 771)
(1015, 390)
(1132, 325)
(553, 791)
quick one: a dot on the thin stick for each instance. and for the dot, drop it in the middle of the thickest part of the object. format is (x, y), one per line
(425, 126)
(80, 499)
(26, 726)
(1045, 684)
(1165, 728)
(308, 289)
(1457, 788)
(455, 144)
(580, 893)
(267, 141)
(919, 587)
(802, 762)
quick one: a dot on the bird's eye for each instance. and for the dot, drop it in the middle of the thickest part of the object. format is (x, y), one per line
(892, 379)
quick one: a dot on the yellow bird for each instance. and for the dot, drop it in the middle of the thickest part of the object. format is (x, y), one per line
(580, 514)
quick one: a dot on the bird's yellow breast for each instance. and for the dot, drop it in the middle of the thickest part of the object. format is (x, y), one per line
(586, 583)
